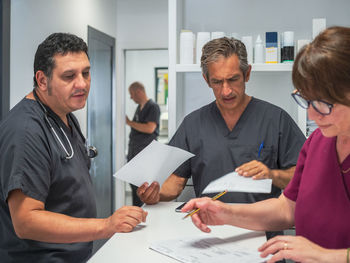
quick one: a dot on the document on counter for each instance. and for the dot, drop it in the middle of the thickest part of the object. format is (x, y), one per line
(154, 163)
(232, 182)
(206, 250)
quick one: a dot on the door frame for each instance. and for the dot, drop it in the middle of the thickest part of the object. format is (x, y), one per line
(5, 25)
(96, 34)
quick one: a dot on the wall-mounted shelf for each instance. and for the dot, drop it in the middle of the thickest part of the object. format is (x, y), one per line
(255, 67)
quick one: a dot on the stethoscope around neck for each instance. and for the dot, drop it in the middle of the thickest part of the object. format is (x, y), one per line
(91, 150)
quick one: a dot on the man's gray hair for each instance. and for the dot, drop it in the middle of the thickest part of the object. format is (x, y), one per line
(224, 48)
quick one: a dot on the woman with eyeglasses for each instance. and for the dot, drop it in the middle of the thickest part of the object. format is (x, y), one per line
(317, 200)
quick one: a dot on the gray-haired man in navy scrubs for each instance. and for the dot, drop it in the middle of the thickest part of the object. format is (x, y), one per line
(236, 132)
(47, 204)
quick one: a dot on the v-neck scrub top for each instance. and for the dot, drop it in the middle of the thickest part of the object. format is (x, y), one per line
(139, 140)
(321, 190)
(31, 160)
(219, 151)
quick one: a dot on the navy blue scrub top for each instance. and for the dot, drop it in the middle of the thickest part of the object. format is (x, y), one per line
(219, 151)
(139, 140)
(31, 160)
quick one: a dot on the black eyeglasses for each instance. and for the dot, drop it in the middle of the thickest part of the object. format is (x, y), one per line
(322, 107)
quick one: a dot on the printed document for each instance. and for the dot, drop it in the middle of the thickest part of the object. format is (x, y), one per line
(154, 163)
(233, 182)
(206, 250)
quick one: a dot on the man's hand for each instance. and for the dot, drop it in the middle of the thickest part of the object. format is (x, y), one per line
(126, 218)
(149, 194)
(32, 221)
(254, 169)
(127, 120)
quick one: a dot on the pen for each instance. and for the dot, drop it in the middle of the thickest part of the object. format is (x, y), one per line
(196, 210)
(260, 148)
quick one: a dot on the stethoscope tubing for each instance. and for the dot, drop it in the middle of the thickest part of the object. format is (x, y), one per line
(68, 155)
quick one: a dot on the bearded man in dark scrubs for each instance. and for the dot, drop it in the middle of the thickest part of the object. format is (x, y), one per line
(47, 204)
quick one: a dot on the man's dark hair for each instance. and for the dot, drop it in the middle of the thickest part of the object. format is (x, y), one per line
(56, 43)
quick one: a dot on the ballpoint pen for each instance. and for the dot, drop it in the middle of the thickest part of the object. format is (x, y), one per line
(191, 213)
(260, 148)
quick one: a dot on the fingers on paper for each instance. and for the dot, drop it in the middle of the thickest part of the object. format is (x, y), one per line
(149, 194)
(278, 246)
(142, 188)
(254, 169)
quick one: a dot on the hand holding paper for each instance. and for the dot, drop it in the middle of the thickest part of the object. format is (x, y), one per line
(154, 163)
(236, 183)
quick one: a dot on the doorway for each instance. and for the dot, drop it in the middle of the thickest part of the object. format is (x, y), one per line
(148, 66)
(100, 122)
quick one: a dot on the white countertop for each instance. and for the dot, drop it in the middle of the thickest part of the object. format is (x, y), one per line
(163, 223)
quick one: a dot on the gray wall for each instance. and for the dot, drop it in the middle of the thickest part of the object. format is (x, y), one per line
(33, 20)
(255, 17)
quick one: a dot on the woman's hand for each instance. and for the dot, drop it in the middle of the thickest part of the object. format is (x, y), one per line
(297, 248)
(210, 213)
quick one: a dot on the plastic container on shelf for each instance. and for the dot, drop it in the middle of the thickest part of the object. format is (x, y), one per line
(271, 47)
(202, 39)
(186, 47)
(287, 50)
(217, 34)
(248, 42)
(259, 51)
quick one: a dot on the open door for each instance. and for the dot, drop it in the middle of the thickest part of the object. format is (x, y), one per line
(100, 124)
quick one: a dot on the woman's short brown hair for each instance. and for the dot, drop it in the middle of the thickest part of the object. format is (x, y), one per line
(322, 68)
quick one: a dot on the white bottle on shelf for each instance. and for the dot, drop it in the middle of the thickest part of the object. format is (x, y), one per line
(258, 51)
(202, 39)
(301, 43)
(318, 25)
(217, 34)
(248, 42)
(235, 35)
(186, 47)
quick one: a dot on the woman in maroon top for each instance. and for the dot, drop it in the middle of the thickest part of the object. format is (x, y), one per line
(317, 200)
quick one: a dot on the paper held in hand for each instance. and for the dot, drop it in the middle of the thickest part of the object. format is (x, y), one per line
(232, 182)
(154, 163)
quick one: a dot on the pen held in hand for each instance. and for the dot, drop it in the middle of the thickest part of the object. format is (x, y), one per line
(191, 213)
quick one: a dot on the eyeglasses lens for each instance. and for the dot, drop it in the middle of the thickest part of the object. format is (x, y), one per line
(301, 101)
(321, 107)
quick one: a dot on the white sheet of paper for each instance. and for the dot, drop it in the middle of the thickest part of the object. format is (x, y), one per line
(206, 250)
(232, 182)
(154, 163)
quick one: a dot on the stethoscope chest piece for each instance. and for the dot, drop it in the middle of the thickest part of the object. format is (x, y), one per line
(92, 151)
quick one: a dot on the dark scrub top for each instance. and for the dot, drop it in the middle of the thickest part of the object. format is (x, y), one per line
(31, 160)
(219, 151)
(139, 140)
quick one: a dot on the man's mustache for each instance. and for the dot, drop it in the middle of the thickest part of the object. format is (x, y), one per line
(79, 92)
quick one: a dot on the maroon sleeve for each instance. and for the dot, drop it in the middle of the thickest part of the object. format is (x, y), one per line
(292, 189)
